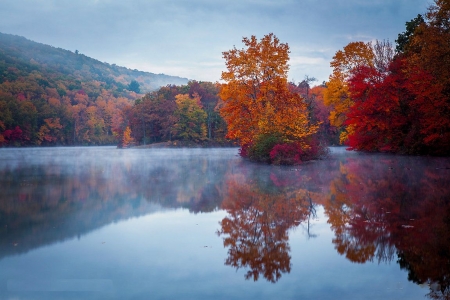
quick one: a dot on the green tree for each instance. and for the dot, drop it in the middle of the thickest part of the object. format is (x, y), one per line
(404, 37)
(134, 86)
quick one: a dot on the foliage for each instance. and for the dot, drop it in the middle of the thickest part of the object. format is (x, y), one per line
(337, 94)
(190, 118)
(404, 37)
(188, 112)
(56, 97)
(134, 86)
(257, 99)
(401, 104)
(126, 139)
(260, 149)
(286, 154)
(327, 133)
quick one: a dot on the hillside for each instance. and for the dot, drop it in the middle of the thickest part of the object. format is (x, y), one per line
(51, 96)
(26, 55)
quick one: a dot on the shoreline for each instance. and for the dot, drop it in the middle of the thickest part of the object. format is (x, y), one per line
(186, 144)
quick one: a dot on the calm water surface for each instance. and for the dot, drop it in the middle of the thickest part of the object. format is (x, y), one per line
(105, 223)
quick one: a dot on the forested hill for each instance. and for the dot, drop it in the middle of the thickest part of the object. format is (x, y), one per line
(27, 56)
(51, 96)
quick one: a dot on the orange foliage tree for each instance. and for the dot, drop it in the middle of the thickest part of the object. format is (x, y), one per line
(256, 95)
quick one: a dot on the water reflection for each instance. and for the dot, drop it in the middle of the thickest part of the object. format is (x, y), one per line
(380, 208)
(256, 229)
(50, 195)
(262, 206)
(383, 207)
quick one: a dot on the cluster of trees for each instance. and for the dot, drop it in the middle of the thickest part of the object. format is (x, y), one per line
(396, 101)
(264, 112)
(37, 109)
(196, 113)
(186, 113)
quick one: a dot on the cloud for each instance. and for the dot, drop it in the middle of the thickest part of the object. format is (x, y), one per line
(189, 36)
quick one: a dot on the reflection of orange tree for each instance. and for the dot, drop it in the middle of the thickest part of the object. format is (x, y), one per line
(393, 208)
(256, 228)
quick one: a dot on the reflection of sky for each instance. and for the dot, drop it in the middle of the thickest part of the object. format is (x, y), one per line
(177, 255)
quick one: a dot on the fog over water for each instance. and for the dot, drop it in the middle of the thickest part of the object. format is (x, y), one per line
(107, 223)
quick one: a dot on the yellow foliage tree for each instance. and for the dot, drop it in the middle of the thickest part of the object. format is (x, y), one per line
(191, 118)
(256, 96)
(127, 139)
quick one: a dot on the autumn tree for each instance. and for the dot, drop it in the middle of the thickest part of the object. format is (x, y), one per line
(402, 104)
(257, 101)
(209, 99)
(428, 59)
(337, 95)
(126, 139)
(50, 131)
(191, 118)
(321, 113)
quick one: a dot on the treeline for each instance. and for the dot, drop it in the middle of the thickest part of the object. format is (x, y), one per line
(187, 112)
(39, 107)
(191, 113)
(396, 101)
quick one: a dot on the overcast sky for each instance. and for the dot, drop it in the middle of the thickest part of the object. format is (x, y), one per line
(187, 37)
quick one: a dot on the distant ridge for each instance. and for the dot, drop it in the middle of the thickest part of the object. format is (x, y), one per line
(23, 53)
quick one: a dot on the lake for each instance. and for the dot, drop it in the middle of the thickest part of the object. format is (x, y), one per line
(107, 223)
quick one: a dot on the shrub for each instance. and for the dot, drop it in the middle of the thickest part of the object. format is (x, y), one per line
(260, 150)
(286, 154)
(271, 148)
(243, 151)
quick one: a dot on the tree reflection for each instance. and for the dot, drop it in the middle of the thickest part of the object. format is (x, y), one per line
(256, 229)
(381, 208)
(424, 251)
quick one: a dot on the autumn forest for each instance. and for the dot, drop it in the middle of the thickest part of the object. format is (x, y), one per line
(380, 97)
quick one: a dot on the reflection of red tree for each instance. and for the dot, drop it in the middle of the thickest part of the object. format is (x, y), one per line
(393, 208)
(256, 228)
(424, 250)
